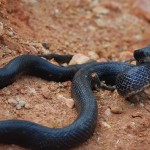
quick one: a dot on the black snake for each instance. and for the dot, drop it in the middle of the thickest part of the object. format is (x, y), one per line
(38, 137)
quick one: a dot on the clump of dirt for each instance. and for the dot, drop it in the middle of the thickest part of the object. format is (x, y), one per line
(111, 29)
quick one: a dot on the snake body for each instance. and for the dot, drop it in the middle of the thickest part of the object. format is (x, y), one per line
(34, 65)
(133, 80)
(137, 78)
(38, 137)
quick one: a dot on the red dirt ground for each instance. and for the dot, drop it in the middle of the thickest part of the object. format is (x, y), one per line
(112, 29)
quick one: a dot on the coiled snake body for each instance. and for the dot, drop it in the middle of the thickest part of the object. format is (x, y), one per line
(38, 137)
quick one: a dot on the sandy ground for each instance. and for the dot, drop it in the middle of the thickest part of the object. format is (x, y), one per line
(113, 29)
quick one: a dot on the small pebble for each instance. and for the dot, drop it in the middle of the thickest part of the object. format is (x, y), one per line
(67, 84)
(137, 114)
(13, 102)
(94, 3)
(18, 107)
(112, 5)
(141, 104)
(46, 92)
(100, 23)
(32, 49)
(116, 109)
(138, 38)
(10, 33)
(107, 112)
(30, 1)
(27, 106)
(21, 103)
(79, 59)
(100, 10)
(1, 28)
(93, 55)
(45, 45)
(17, 102)
(105, 124)
(22, 91)
(68, 101)
(102, 60)
(32, 91)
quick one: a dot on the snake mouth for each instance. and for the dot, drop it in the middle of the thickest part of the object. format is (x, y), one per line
(142, 94)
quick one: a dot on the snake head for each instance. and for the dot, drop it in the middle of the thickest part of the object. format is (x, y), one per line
(142, 55)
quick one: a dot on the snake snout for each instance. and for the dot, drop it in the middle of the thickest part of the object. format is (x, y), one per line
(142, 55)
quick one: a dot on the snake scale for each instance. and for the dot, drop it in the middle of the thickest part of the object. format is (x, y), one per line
(127, 78)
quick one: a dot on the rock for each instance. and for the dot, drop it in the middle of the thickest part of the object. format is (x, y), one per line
(112, 5)
(102, 60)
(68, 101)
(27, 106)
(94, 3)
(100, 23)
(18, 107)
(21, 103)
(137, 114)
(67, 84)
(32, 91)
(141, 104)
(116, 109)
(22, 91)
(45, 45)
(64, 64)
(92, 28)
(93, 55)
(13, 102)
(105, 124)
(10, 33)
(100, 10)
(138, 38)
(32, 49)
(45, 92)
(142, 8)
(79, 59)
(107, 112)
(18, 102)
(1, 29)
(31, 2)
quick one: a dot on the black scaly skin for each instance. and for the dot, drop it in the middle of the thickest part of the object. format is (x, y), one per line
(37, 137)
(142, 55)
(58, 58)
(134, 80)
(138, 78)
(34, 65)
